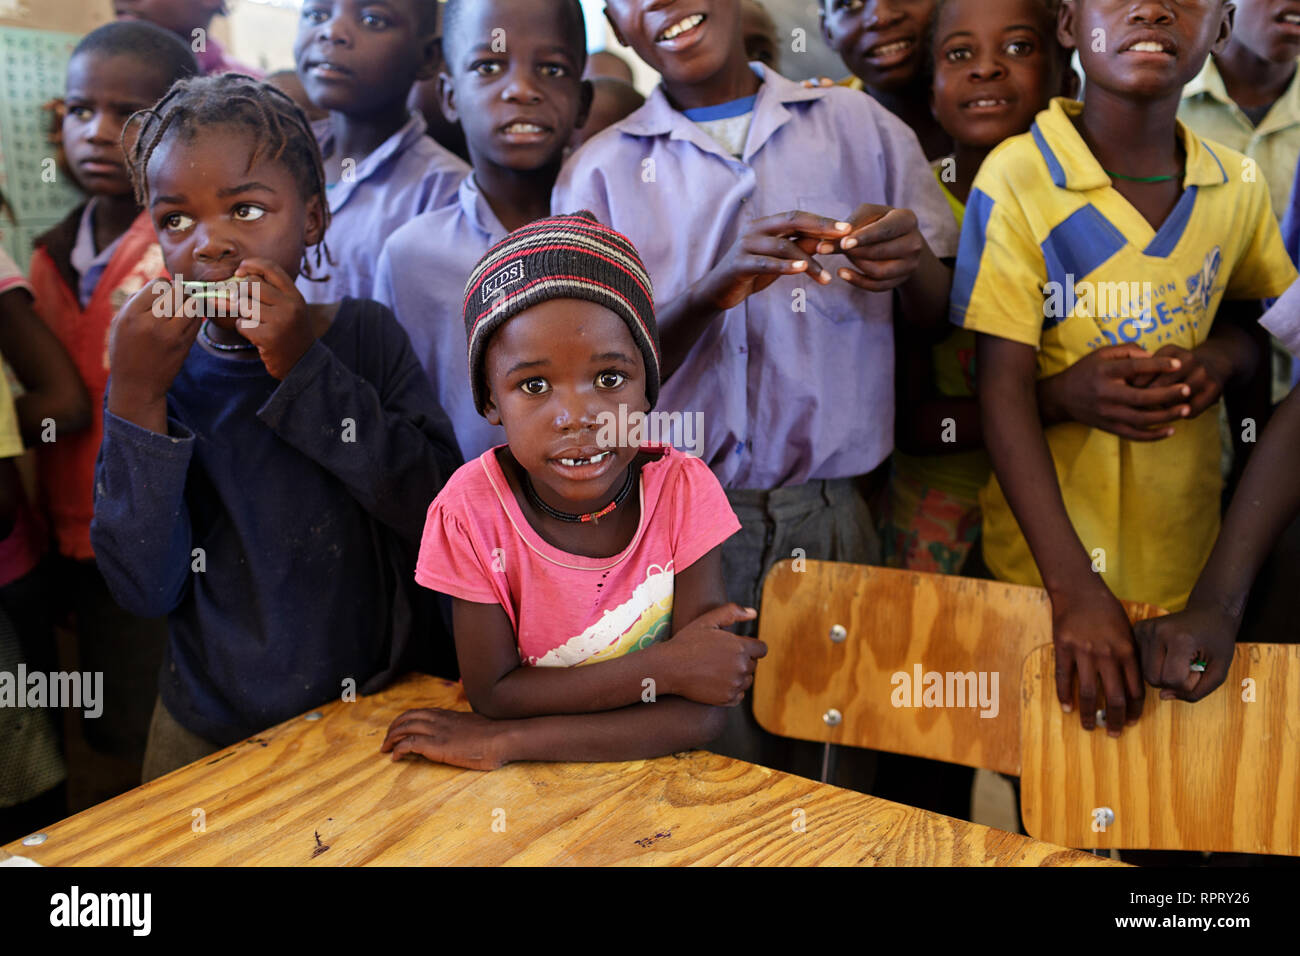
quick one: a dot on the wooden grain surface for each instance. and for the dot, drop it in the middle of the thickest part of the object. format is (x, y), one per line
(1222, 774)
(318, 793)
(897, 621)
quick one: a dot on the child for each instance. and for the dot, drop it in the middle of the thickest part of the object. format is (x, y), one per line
(31, 787)
(82, 271)
(260, 486)
(1247, 96)
(576, 601)
(191, 20)
(715, 181)
(996, 65)
(518, 109)
(884, 45)
(1075, 237)
(359, 64)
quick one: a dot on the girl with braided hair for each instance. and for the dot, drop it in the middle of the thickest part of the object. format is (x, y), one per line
(265, 470)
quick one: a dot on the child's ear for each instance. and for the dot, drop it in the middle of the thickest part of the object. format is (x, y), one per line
(447, 97)
(491, 412)
(314, 226)
(1065, 25)
(585, 97)
(1226, 21)
(430, 58)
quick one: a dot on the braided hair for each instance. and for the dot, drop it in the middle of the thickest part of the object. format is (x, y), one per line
(279, 128)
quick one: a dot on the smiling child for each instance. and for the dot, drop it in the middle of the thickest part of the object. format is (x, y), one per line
(1166, 218)
(884, 45)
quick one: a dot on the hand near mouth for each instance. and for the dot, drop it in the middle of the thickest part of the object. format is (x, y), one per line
(279, 325)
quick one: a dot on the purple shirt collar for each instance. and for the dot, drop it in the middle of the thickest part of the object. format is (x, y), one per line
(339, 192)
(658, 117)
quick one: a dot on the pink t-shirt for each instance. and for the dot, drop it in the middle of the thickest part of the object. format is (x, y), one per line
(567, 609)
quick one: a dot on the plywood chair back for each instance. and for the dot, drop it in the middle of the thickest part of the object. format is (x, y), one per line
(1222, 774)
(928, 664)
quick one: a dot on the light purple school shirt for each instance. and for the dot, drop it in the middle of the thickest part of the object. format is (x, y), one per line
(1283, 319)
(421, 277)
(788, 396)
(408, 174)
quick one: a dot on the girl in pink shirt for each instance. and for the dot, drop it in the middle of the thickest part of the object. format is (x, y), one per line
(573, 545)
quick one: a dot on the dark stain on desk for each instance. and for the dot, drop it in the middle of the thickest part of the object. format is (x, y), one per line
(647, 842)
(320, 847)
(219, 759)
(256, 740)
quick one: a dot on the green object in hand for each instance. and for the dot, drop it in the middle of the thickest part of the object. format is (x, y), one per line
(209, 290)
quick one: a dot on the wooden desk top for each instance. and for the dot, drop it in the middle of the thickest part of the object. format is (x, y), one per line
(319, 793)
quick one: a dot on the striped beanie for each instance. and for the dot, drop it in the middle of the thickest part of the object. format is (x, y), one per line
(563, 257)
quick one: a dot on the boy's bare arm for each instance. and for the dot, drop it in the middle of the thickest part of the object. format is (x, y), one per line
(53, 389)
(1089, 627)
(1266, 502)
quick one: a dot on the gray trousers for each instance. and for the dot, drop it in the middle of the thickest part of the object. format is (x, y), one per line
(170, 745)
(820, 521)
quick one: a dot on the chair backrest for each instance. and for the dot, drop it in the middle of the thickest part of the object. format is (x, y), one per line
(1219, 775)
(929, 664)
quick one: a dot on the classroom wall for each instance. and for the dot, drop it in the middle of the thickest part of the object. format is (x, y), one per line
(64, 16)
(261, 34)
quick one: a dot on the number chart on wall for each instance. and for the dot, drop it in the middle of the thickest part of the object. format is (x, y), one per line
(33, 66)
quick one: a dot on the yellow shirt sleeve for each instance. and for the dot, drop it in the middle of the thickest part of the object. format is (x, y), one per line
(1000, 273)
(1264, 269)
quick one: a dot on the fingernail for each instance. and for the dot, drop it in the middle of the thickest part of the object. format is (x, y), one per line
(800, 265)
(1178, 363)
(1068, 708)
(825, 248)
(1186, 391)
(845, 274)
(843, 226)
(1112, 733)
(849, 243)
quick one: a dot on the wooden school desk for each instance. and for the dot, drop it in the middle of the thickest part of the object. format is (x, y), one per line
(316, 791)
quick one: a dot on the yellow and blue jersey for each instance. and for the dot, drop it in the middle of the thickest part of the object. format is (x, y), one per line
(1053, 256)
